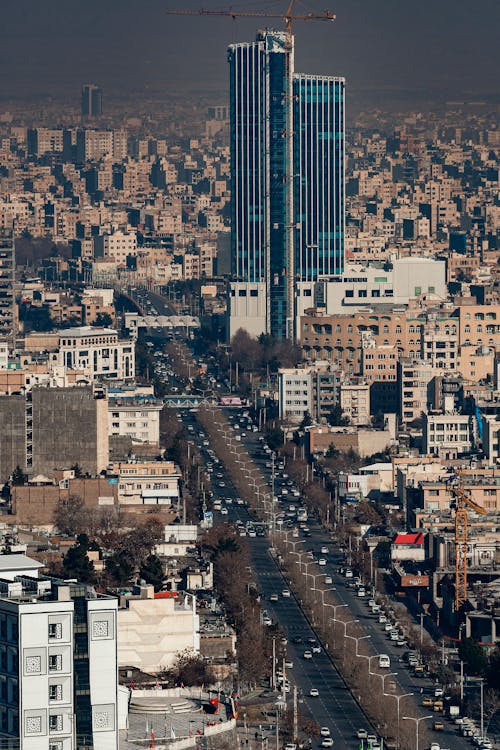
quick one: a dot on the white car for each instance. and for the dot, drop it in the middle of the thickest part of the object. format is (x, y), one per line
(273, 598)
(322, 561)
(324, 732)
(328, 579)
(314, 692)
(285, 593)
(327, 742)
(308, 655)
(361, 734)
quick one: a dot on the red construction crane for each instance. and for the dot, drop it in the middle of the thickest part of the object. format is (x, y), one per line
(461, 503)
(287, 17)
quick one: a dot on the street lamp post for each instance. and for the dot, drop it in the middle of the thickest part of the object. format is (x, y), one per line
(335, 607)
(398, 699)
(323, 592)
(417, 724)
(358, 639)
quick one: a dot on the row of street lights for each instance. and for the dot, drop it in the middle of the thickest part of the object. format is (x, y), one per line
(357, 640)
(265, 501)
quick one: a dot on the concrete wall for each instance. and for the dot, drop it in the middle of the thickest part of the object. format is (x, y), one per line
(69, 427)
(12, 435)
(151, 632)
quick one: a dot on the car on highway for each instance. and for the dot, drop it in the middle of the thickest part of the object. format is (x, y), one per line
(324, 732)
(328, 579)
(273, 598)
(314, 692)
(361, 734)
(289, 664)
(285, 593)
(327, 742)
(316, 649)
(322, 561)
(308, 654)
(324, 550)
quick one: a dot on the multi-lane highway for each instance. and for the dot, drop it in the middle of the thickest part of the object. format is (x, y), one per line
(334, 706)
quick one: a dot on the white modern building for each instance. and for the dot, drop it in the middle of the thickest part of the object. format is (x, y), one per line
(295, 393)
(448, 435)
(248, 308)
(97, 350)
(58, 665)
(364, 284)
(139, 420)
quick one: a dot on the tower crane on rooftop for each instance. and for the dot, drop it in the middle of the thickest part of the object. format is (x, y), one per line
(461, 503)
(288, 16)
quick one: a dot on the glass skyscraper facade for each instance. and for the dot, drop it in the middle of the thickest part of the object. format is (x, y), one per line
(319, 176)
(287, 167)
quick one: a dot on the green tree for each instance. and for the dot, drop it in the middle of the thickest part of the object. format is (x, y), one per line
(76, 564)
(336, 417)
(473, 655)
(19, 477)
(306, 421)
(119, 568)
(152, 572)
(78, 471)
(103, 320)
(275, 437)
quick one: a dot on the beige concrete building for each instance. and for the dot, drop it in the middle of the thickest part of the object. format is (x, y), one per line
(355, 402)
(154, 628)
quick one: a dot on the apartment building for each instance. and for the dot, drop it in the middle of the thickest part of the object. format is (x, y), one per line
(313, 390)
(58, 671)
(139, 420)
(147, 483)
(355, 402)
(117, 246)
(8, 308)
(97, 349)
(479, 325)
(447, 435)
(295, 393)
(339, 338)
(414, 385)
(491, 437)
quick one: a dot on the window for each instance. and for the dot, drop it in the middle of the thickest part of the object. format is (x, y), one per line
(55, 630)
(418, 291)
(349, 292)
(55, 693)
(55, 662)
(56, 723)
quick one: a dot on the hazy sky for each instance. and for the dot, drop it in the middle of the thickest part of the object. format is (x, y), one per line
(448, 48)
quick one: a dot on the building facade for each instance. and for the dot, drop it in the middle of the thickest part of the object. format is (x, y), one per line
(58, 670)
(97, 349)
(287, 179)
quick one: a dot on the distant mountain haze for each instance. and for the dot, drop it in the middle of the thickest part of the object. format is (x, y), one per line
(429, 48)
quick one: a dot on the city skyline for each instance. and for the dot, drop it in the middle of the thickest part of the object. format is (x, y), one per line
(51, 50)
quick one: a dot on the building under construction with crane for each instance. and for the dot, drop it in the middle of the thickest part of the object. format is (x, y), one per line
(287, 162)
(287, 177)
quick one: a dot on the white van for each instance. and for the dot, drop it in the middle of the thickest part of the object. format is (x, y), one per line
(384, 662)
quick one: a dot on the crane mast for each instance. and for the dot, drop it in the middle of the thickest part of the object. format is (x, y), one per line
(462, 503)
